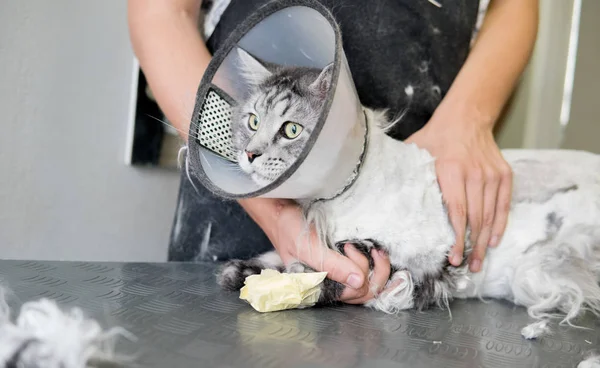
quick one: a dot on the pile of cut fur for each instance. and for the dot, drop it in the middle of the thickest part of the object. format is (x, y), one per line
(44, 336)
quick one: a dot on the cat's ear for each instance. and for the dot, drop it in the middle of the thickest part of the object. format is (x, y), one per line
(321, 85)
(251, 69)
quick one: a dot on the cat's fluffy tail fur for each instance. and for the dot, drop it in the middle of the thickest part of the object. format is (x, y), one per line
(561, 277)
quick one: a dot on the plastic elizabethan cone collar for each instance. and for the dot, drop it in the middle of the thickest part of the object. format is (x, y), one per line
(300, 34)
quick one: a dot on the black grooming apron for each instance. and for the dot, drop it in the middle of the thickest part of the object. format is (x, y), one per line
(393, 47)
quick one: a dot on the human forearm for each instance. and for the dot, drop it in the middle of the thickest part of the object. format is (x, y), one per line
(494, 65)
(172, 54)
(265, 212)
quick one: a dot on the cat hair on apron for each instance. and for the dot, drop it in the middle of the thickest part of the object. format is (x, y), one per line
(403, 56)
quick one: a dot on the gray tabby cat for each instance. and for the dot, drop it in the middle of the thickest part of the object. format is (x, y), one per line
(548, 259)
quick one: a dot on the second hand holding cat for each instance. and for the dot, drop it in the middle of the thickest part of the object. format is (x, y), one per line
(475, 180)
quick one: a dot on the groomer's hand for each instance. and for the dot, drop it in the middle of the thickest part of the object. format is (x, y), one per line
(291, 241)
(475, 180)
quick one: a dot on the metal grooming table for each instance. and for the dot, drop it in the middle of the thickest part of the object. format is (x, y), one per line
(183, 320)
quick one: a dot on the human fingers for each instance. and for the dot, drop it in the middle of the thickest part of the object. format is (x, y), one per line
(502, 204)
(377, 280)
(452, 185)
(492, 183)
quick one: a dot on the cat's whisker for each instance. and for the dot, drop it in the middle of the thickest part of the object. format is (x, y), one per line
(188, 106)
(393, 123)
(234, 168)
(195, 136)
(205, 160)
(187, 172)
(170, 125)
(195, 125)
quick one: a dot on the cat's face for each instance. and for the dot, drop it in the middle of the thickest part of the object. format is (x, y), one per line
(271, 127)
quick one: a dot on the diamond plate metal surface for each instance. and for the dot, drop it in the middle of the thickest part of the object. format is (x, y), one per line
(183, 320)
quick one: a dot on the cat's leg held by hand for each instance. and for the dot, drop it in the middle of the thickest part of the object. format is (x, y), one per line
(373, 262)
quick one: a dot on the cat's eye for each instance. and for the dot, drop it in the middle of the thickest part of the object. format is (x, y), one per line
(292, 130)
(253, 122)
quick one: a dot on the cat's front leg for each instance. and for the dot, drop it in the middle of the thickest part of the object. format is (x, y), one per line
(233, 273)
(404, 291)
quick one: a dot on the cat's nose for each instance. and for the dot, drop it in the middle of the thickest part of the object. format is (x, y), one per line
(252, 156)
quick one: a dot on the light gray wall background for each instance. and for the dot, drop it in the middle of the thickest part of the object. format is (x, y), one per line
(65, 192)
(533, 118)
(583, 130)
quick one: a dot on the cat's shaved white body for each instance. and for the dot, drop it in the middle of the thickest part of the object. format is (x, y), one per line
(393, 203)
(548, 259)
(554, 219)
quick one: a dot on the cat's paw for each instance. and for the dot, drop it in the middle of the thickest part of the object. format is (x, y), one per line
(233, 273)
(363, 246)
(398, 295)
